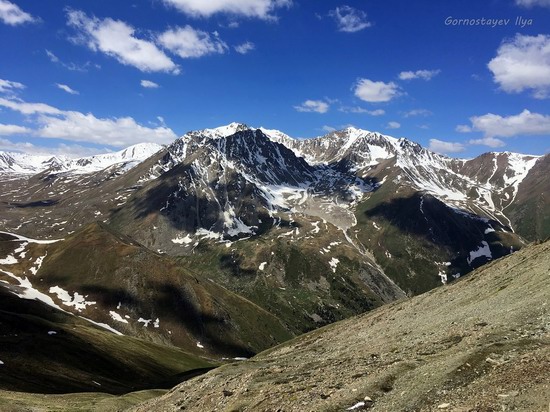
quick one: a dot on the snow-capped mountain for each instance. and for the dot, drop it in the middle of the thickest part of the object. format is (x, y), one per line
(389, 199)
(21, 163)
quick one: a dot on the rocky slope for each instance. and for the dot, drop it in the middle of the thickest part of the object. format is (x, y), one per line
(480, 344)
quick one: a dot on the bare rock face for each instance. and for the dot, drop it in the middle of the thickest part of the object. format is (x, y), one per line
(481, 343)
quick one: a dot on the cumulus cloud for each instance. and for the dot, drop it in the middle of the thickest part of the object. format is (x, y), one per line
(463, 128)
(532, 3)
(317, 106)
(245, 47)
(148, 84)
(122, 131)
(9, 129)
(9, 87)
(419, 74)
(523, 63)
(488, 141)
(361, 110)
(75, 126)
(393, 125)
(494, 126)
(376, 92)
(187, 42)
(117, 39)
(522, 124)
(349, 19)
(28, 108)
(11, 14)
(66, 88)
(441, 146)
(263, 9)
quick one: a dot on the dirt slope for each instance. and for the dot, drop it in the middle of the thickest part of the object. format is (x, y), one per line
(480, 344)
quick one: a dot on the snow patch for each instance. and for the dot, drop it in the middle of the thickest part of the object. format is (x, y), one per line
(334, 264)
(482, 250)
(184, 240)
(38, 264)
(103, 325)
(9, 260)
(356, 406)
(29, 240)
(77, 300)
(117, 317)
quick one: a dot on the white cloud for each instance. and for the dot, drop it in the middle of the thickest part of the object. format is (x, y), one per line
(7, 86)
(393, 125)
(375, 92)
(117, 39)
(523, 63)
(9, 129)
(523, 124)
(463, 128)
(69, 150)
(419, 74)
(317, 106)
(66, 88)
(187, 42)
(441, 146)
(262, 9)
(28, 108)
(418, 112)
(488, 141)
(361, 110)
(122, 131)
(328, 129)
(349, 19)
(80, 127)
(11, 14)
(532, 3)
(245, 47)
(148, 84)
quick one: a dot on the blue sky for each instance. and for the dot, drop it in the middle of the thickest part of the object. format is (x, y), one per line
(462, 77)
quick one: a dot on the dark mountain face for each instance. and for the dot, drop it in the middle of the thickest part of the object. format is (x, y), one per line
(233, 224)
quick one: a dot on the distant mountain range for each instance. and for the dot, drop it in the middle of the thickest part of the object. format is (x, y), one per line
(234, 239)
(21, 163)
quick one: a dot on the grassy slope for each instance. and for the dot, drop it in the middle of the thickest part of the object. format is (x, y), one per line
(75, 402)
(111, 268)
(297, 284)
(79, 356)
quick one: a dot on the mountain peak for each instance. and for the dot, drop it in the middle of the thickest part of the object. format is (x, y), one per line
(221, 131)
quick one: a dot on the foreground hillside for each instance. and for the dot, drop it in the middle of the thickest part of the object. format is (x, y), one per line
(480, 344)
(46, 350)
